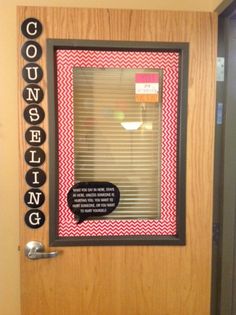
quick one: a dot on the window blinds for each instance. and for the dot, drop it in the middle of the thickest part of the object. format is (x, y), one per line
(117, 139)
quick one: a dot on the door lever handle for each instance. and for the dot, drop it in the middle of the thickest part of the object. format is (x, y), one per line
(35, 250)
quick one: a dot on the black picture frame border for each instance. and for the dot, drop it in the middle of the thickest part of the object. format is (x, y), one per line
(183, 50)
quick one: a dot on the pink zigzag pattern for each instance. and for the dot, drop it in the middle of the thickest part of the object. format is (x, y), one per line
(66, 60)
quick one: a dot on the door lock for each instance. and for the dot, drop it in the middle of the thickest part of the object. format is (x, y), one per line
(35, 250)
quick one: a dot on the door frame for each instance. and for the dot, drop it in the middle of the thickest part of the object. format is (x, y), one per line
(224, 218)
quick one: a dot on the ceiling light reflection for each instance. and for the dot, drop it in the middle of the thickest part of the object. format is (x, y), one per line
(133, 125)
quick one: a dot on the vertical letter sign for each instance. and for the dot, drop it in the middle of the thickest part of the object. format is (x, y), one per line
(35, 136)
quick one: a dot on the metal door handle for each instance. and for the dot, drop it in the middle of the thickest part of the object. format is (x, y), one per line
(35, 250)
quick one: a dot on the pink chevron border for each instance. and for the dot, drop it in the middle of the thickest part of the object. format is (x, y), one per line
(168, 62)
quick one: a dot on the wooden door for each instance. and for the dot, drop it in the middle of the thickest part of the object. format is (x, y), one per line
(129, 280)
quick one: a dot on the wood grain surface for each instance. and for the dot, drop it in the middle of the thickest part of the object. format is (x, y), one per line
(133, 280)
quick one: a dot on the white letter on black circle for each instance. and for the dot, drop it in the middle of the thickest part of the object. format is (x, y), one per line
(31, 51)
(31, 25)
(33, 114)
(34, 218)
(32, 73)
(34, 198)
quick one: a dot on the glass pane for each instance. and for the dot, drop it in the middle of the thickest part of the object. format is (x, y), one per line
(117, 128)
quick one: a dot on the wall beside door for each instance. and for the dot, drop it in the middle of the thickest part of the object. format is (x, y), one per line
(9, 200)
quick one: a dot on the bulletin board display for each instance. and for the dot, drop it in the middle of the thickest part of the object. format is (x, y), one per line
(117, 121)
